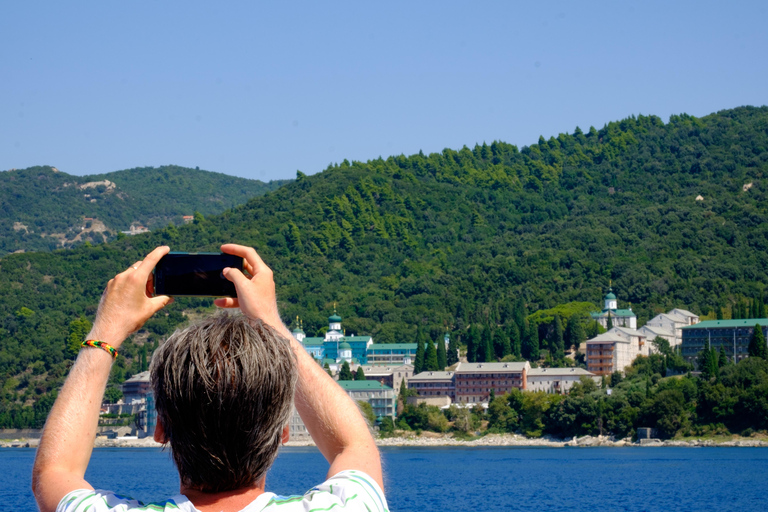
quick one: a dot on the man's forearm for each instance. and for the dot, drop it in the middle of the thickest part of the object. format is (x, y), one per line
(67, 440)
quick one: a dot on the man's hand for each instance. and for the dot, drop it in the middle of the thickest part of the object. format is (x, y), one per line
(256, 294)
(127, 301)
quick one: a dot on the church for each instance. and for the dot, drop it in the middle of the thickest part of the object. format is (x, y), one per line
(618, 317)
(335, 347)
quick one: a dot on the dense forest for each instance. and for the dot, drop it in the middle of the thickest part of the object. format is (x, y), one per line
(673, 213)
(43, 209)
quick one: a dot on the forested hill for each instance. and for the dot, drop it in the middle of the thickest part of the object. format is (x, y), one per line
(44, 209)
(446, 240)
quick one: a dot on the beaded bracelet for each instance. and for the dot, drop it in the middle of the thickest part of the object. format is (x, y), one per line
(101, 344)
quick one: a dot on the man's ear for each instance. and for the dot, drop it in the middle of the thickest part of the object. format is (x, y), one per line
(160, 433)
(286, 434)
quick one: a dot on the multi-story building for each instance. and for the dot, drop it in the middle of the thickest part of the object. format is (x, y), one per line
(391, 376)
(618, 317)
(732, 335)
(391, 353)
(382, 398)
(614, 350)
(429, 384)
(672, 322)
(474, 381)
(137, 387)
(555, 380)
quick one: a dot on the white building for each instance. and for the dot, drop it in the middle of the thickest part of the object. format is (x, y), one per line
(556, 380)
(614, 350)
(673, 322)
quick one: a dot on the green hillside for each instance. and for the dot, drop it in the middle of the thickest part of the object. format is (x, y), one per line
(42, 208)
(451, 239)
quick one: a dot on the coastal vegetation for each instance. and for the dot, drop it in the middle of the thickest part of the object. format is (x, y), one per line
(505, 248)
(733, 400)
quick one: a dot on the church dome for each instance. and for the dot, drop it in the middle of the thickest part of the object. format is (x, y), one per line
(345, 346)
(610, 296)
(334, 318)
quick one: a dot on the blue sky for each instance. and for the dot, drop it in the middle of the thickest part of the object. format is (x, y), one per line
(260, 90)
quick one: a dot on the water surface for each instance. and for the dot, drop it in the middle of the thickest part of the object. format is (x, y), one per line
(478, 479)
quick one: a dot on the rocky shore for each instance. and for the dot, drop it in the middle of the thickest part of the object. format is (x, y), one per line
(428, 439)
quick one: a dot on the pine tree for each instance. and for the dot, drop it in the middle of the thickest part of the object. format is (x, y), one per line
(486, 345)
(518, 315)
(430, 357)
(515, 340)
(345, 373)
(531, 342)
(442, 356)
(402, 395)
(360, 374)
(489, 354)
(718, 313)
(757, 346)
(558, 341)
(501, 343)
(609, 322)
(473, 343)
(452, 357)
(575, 334)
(327, 369)
(722, 359)
(418, 364)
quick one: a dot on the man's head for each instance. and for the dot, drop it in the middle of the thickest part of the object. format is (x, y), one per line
(223, 392)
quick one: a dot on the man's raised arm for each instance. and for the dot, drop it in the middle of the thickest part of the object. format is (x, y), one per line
(67, 440)
(330, 415)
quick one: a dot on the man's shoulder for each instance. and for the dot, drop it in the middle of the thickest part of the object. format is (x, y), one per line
(82, 500)
(350, 489)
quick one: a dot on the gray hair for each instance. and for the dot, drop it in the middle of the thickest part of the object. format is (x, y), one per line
(224, 392)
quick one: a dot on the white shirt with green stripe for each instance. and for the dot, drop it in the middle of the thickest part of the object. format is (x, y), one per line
(346, 491)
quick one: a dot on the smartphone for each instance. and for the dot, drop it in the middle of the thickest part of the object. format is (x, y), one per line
(195, 274)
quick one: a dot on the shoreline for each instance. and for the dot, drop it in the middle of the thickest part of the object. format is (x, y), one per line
(428, 439)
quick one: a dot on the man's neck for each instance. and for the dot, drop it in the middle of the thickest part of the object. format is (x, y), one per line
(225, 501)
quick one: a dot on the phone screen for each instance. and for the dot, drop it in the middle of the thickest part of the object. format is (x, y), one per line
(195, 274)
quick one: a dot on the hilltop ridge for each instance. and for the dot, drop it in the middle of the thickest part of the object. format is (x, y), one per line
(42, 208)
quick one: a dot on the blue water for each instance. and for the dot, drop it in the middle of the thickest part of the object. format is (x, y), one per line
(477, 479)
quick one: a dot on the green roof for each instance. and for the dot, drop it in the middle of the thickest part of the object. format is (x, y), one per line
(356, 338)
(361, 385)
(312, 341)
(713, 324)
(610, 296)
(345, 346)
(334, 318)
(392, 346)
(614, 313)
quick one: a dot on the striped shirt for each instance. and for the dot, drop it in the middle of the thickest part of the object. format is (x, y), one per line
(346, 491)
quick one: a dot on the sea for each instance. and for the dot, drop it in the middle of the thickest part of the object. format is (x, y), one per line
(460, 479)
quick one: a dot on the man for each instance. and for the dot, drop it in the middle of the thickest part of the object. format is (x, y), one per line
(223, 390)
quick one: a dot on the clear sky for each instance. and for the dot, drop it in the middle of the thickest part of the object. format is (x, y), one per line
(260, 90)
